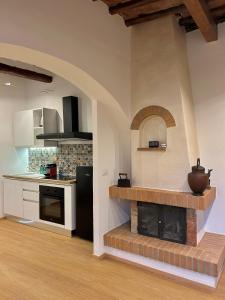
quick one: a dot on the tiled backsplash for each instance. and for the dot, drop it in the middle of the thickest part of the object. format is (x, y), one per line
(67, 157)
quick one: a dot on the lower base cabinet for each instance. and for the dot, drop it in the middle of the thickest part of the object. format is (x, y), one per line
(30, 210)
(13, 202)
(21, 199)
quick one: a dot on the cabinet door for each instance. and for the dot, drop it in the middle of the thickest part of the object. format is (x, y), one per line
(23, 129)
(31, 210)
(13, 204)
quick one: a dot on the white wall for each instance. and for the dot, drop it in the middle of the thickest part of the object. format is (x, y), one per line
(77, 31)
(11, 99)
(83, 34)
(50, 95)
(111, 144)
(207, 68)
(160, 77)
(111, 156)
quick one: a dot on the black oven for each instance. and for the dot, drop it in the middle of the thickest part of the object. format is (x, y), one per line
(52, 204)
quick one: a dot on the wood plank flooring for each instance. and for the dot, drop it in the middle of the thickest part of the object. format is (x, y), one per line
(39, 265)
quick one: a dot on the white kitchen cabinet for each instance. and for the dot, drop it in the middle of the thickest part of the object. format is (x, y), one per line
(29, 123)
(30, 186)
(13, 204)
(23, 129)
(30, 195)
(21, 199)
(30, 210)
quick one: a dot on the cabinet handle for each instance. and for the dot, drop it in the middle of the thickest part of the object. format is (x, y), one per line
(26, 190)
(27, 200)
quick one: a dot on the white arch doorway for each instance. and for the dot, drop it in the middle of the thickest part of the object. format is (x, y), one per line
(103, 219)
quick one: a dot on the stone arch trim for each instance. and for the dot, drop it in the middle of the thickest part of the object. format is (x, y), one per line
(152, 110)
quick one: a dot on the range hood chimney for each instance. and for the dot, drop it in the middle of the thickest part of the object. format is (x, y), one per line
(70, 114)
(71, 123)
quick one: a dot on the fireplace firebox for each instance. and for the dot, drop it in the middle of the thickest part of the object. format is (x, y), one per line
(162, 221)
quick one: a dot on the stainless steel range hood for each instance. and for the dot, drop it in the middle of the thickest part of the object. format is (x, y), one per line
(71, 123)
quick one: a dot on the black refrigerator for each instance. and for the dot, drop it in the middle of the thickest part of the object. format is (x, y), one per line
(84, 202)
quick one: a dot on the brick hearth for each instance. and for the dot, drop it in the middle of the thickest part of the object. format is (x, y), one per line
(207, 258)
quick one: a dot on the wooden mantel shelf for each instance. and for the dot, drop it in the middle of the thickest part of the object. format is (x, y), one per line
(173, 198)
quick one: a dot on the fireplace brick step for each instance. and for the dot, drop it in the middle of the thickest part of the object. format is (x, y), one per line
(207, 258)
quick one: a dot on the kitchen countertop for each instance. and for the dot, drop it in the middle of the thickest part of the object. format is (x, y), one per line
(40, 179)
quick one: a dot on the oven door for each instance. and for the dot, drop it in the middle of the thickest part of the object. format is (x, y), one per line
(52, 206)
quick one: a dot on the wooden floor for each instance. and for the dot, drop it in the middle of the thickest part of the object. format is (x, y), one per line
(39, 265)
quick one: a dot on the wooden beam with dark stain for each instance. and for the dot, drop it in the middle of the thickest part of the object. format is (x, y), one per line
(115, 9)
(218, 14)
(11, 70)
(136, 7)
(149, 17)
(202, 16)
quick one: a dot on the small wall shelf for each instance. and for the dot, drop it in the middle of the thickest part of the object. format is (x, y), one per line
(152, 149)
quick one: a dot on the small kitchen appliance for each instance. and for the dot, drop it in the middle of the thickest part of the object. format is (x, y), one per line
(51, 171)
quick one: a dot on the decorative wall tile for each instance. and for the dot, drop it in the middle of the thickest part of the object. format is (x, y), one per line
(67, 157)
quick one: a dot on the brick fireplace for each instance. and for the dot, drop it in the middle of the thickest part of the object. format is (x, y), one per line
(185, 222)
(200, 259)
(163, 111)
(194, 206)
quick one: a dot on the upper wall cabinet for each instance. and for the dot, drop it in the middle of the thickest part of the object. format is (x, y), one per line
(29, 123)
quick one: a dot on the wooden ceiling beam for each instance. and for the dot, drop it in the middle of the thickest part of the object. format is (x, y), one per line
(217, 13)
(19, 72)
(192, 14)
(136, 7)
(215, 3)
(200, 12)
(149, 17)
(114, 2)
(123, 6)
